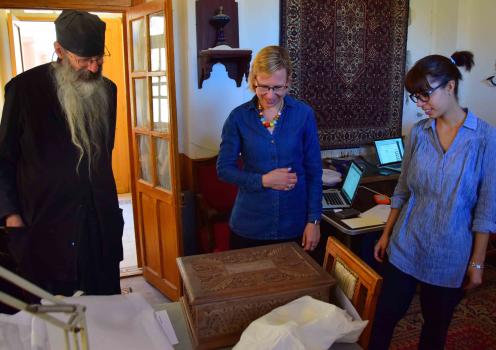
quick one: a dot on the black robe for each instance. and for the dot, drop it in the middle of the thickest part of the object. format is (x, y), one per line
(38, 180)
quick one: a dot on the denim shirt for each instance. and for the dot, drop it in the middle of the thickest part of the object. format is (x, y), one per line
(444, 198)
(264, 213)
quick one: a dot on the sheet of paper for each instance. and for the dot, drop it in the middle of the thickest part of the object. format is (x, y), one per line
(15, 331)
(363, 222)
(380, 211)
(344, 303)
(166, 324)
(124, 322)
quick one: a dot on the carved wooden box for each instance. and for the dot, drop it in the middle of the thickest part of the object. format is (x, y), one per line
(224, 292)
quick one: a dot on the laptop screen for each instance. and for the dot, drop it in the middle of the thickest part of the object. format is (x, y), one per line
(351, 181)
(389, 151)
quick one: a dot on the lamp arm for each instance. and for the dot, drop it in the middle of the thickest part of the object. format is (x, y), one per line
(28, 286)
(76, 323)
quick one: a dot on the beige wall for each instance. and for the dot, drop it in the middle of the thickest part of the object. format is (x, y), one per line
(114, 70)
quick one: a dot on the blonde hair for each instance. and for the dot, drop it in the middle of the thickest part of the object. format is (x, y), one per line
(267, 61)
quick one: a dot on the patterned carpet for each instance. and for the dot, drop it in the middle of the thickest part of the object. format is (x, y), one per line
(349, 60)
(473, 326)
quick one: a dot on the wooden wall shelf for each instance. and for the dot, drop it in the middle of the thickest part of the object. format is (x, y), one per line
(236, 61)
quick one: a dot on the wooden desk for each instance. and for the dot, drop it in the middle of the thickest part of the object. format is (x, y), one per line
(177, 317)
(363, 201)
(360, 240)
(377, 179)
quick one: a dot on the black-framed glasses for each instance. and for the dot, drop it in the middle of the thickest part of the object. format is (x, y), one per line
(425, 95)
(277, 89)
(84, 62)
(492, 80)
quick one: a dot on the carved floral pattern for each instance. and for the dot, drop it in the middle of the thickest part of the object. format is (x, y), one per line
(285, 265)
(233, 317)
(225, 292)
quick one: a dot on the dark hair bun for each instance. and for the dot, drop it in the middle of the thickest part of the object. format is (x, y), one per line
(463, 59)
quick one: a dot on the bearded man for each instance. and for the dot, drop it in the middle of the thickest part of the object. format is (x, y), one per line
(58, 196)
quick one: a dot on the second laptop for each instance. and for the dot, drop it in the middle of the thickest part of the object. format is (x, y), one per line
(343, 197)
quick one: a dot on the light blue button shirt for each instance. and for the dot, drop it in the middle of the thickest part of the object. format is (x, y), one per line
(444, 197)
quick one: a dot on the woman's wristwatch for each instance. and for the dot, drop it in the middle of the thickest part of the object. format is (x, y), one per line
(315, 222)
(476, 265)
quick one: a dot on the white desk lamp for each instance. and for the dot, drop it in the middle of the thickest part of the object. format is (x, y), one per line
(75, 327)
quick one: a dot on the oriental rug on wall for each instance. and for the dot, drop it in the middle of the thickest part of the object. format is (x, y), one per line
(349, 64)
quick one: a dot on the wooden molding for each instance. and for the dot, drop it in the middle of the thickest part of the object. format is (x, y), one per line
(109, 5)
(13, 61)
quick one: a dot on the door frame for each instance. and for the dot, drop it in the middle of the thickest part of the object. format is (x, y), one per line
(174, 291)
(122, 6)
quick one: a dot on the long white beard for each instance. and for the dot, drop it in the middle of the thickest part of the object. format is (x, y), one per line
(84, 101)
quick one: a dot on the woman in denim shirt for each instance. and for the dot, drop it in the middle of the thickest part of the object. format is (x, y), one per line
(443, 208)
(280, 181)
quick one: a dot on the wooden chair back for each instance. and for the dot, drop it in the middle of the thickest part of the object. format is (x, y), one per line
(359, 282)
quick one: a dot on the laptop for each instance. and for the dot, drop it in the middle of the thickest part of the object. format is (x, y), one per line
(390, 153)
(343, 197)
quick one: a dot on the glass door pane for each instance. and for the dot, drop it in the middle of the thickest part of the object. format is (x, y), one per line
(144, 158)
(141, 103)
(163, 163)
(139, 44)
(160, 104)
(157, 42)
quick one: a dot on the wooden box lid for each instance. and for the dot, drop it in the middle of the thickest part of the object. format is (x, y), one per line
(249, 272)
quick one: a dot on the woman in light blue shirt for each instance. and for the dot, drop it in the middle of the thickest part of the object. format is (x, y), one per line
(443, 208)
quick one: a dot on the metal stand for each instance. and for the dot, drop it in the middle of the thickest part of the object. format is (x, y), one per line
(75, 329)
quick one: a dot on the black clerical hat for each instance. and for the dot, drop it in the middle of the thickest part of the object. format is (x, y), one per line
(81, 33)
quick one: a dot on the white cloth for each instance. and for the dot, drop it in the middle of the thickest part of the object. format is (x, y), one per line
(124, 322)
(330, 177)
(303, 324)
(15, 331)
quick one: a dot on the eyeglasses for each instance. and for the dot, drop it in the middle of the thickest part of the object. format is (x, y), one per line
(84, 62)
(263, 89)
(426, 95)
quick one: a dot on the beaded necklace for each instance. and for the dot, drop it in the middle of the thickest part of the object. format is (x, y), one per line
(273, 122)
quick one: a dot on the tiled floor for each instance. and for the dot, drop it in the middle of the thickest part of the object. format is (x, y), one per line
(137, 284)
(130, 262)
(129, 265)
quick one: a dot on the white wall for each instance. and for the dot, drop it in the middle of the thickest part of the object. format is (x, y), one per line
(477, 33)
(436, 26)
(432, 29)
(446, 26)
(201, 112)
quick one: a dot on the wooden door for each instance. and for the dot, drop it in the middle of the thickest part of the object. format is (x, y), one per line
(155, 183)
(15, 46)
